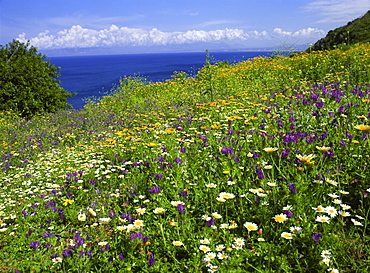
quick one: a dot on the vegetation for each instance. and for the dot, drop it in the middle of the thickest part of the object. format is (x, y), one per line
(259, 166)
(356, 31)
(28, 83)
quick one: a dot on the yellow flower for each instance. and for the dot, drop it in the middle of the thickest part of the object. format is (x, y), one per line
(151, 145)
(67, 202)
(362, 127)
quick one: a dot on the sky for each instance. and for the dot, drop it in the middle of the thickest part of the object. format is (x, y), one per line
(120, 26)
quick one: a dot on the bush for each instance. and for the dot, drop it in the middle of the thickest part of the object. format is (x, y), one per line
(28, 83)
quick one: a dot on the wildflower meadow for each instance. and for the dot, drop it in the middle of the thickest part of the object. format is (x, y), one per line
(256, 166)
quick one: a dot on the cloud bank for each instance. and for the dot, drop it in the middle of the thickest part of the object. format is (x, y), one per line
(334, 11)
(79, 37)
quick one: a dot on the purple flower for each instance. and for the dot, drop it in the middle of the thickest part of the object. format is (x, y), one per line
(151, 260)
(260, 174)
(227, 150)
(316, 237)
(292, 187)
(24, 213)
(120, 256)
(184, 193)
(210, 222)
(153, 190)
(112, 214)
(289, 213)
(178, 160)
(181, 208)
(67, 253)
(34, 244)
(319, 104)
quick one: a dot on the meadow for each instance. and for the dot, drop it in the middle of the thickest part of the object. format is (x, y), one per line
(257, 166)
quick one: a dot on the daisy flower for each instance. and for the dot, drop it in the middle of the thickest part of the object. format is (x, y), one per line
(204, 248)
(333, 270)
(344, 192)
(204, 241)
(325, 254)
(220, 247)
(140, 211)
(210, 256)
(104, 220)
(333, 195)
(344, 213)
(177, 243)
(239, 241)
(331, 211)
(205, 217)
(82, 217)
(345, 207)
(91, 211)
(271, 184)
(326, 261)
(224, 225)
(319, 209)
(250, 226)
(337, 201)
(270, 149)
(159, 211)
(216, 215)
(226, 195)
(261, 240)
(295, 229)
(280, 218)
(176, 203)
(57, 260)
(138, 223)
(332, 182)
(221, 256)
(211, 185)
(322, 219)
(287, 235)
(355, 222)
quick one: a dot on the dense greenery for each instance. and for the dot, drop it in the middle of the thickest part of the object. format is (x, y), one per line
(28, 83)
(259, 166)
(356, 31)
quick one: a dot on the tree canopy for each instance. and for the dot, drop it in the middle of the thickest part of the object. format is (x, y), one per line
(29, 84)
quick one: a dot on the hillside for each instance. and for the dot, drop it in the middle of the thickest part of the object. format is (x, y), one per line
(356, 31)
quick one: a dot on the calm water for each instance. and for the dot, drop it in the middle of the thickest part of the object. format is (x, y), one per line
(95, 75)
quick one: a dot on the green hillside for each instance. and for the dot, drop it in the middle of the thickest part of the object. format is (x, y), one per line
(356, 31)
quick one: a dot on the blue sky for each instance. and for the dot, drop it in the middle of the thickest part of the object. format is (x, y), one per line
(182, 25)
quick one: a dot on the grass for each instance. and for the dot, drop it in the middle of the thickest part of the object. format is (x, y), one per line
(258, 166)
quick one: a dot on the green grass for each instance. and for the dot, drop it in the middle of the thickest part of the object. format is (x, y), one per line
(259, 166)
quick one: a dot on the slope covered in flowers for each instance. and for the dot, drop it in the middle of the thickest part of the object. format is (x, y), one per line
(259, 166)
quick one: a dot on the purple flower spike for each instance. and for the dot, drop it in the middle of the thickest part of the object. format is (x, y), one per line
(292, 187)
(316, 237)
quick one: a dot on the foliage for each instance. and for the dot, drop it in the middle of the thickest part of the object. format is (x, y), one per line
(270, 176)
(356, 31)
(28, 83)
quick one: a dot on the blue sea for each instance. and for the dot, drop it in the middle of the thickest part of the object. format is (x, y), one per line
(95, 75)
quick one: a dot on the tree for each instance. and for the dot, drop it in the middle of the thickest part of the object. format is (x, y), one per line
(28, 83)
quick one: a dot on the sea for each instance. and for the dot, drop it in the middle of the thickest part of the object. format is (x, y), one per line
(96, 75)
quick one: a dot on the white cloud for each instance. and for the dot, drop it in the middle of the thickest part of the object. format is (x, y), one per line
(114, 36)
(338, 10)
